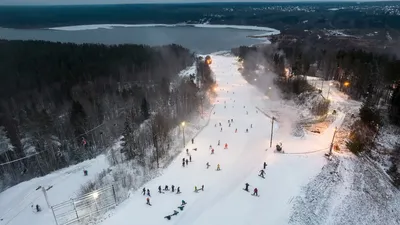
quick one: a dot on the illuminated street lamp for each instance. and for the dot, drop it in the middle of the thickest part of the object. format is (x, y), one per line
(346, 84)
(183, 129)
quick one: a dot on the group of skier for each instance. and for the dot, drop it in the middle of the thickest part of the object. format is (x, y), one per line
(160, 190)
(185, 162)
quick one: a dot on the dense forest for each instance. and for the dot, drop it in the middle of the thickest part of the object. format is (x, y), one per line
(64, 103)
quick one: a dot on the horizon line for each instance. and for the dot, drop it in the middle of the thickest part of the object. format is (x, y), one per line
(209, 3)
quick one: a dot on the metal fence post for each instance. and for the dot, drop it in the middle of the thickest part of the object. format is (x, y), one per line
(115, 197)
(54, 215)
(76, 212)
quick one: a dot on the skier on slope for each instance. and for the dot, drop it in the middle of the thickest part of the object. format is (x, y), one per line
(173, 188)
(218, 167)
(144, 191)
(183, 163)
(251, 125)
(236, 130)
(226, 145)
(247, 187)
(212, 151)
(208, 165)
(247, 130)
(192, 140)
(219, 142)
(178, 190)
(187, 162)
(183, 202)
(195, 189)
(166, 188)
(265, 165)
(262, 172)
(148, 192)
(159, 189)
(190, 158)
(148, 201)
(255, 192)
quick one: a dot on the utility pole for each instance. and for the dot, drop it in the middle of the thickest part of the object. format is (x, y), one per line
(333, 138)
(272, 131)
(45, 197)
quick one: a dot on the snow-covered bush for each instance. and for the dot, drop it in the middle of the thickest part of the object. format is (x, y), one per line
(360, 138)
(370, 116)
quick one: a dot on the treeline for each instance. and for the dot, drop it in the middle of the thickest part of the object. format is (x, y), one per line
(364, 75)
(64, 103)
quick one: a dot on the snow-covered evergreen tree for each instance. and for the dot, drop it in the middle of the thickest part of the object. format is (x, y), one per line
(5, 143)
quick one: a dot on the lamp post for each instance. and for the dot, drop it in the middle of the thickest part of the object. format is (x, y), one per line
(183, 129)
(329, 89)
(333, 138)
(272, 131)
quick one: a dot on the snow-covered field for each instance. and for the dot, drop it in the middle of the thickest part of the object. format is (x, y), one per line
(15, 202)
(300, 186)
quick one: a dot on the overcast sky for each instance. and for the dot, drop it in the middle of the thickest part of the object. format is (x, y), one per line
(89, 2)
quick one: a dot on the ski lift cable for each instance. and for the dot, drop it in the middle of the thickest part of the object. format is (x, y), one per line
(19, 159)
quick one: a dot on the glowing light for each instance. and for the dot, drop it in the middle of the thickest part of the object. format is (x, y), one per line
(183, 123)
(95, 195)
(346, 83)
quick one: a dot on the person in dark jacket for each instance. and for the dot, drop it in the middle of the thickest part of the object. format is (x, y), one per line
(255, 192)
(247, 187)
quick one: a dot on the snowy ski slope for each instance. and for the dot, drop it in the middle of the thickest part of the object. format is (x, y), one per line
(223, 201)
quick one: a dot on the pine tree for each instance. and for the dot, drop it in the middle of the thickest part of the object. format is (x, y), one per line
(145, 109)
(78, 119)
(5, 143)
(128, 140)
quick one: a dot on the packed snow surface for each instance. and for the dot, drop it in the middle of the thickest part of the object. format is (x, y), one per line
(223, 198)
